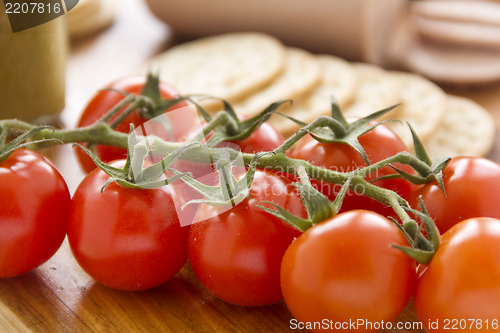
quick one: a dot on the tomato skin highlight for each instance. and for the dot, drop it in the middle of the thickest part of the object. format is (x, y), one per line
(472, 186)
(183, 123)
(34, 215)
(379, 143)
(236, 254)
(462, 281)
(345, 269)
(124, 238)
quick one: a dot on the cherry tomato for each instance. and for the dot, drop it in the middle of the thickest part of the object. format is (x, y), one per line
(34, 214)
(126, 238)
(472, 186)
(236, 254)
(379, 143)
(183, 123)
(345, 270)
(460, 288)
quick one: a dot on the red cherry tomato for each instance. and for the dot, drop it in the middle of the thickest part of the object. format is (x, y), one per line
(236, 254)
(34, 214)
(182, 123)
(379, 143)
(472, 186)
(344, 270)
(126, 238)
(459, 290)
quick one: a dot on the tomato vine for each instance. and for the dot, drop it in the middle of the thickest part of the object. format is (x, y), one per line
(227, 126)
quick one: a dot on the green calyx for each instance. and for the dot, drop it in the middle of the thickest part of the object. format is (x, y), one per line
(421, 249)
(153, 104)
(231, 190)
(427, 170)
(226, 126)
(136, 173)
(148, 104)
(318, 207)
(336, 129)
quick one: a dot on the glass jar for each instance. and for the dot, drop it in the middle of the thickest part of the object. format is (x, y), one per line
(32, 70)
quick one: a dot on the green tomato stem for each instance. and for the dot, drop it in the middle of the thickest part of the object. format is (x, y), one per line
(321, 121)
(108, 115)
(220, 119)
(97, 133)
(137, 103)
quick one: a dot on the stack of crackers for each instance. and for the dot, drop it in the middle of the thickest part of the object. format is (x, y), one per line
(252, 70)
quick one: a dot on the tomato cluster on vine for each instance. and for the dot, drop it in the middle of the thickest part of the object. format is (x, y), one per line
(348, 266)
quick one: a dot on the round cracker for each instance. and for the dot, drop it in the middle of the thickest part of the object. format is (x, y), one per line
(300, 75)
(228, 66)
(89, 17)
(375, 91)
(467, 129)
(337, 79)
(423, 105)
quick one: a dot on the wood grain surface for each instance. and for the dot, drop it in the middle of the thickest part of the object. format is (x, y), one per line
(60, 297)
